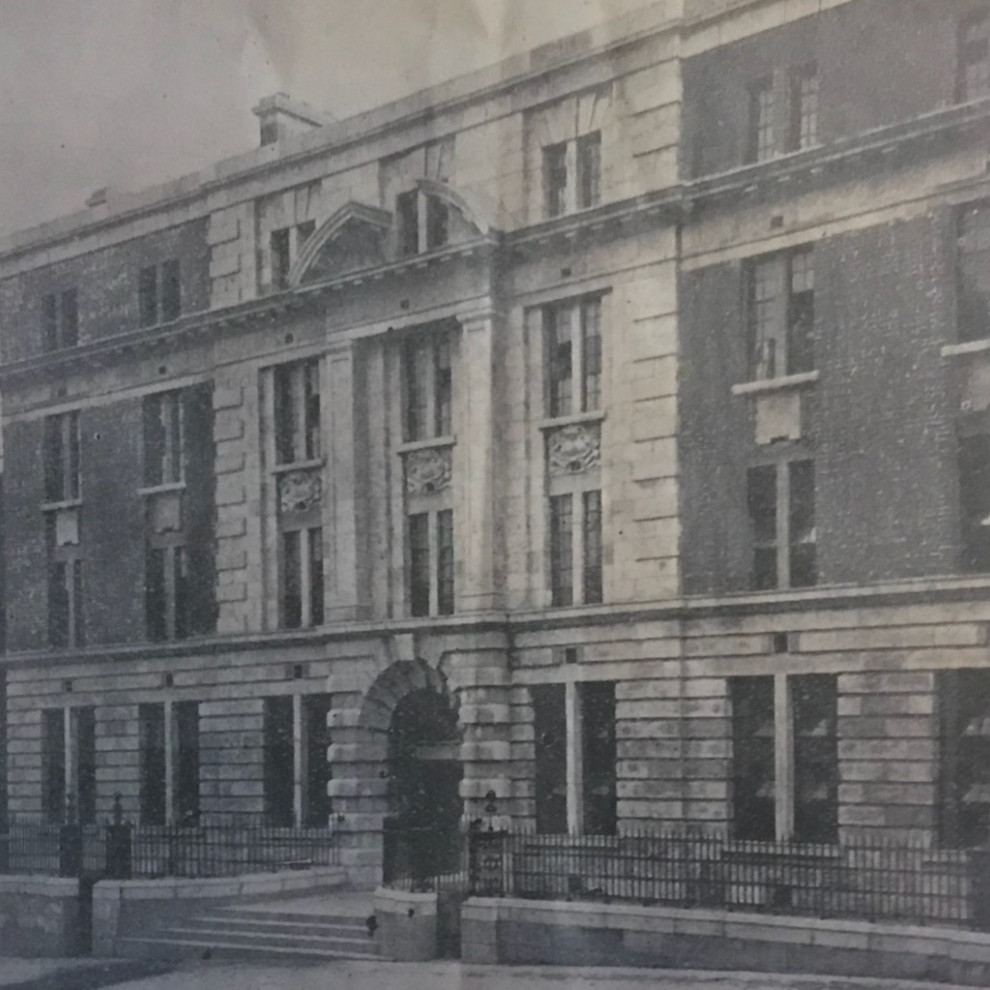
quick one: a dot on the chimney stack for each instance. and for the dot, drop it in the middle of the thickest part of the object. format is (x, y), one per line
(281, 117)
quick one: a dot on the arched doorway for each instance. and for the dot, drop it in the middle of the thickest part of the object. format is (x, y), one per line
(424, 777)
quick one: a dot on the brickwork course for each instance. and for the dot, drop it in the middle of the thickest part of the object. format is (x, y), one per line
(605, 185)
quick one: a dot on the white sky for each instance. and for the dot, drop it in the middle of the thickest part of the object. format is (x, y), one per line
(128, 93)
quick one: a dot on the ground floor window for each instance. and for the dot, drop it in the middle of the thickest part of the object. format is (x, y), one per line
(785, 757)
(68, 764)
(964, 757)
(575, 748)
(296, 769)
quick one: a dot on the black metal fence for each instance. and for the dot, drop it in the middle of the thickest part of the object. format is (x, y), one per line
(125, 851)
(865, 877)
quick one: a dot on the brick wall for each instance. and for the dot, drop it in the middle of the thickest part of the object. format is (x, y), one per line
(879, 62)
(106, 281)
(878, 423)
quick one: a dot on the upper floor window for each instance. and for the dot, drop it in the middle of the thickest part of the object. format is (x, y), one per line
(780, 311)
(973, 272)
(302, 588)
(159, 293)
(422, 222)
(576, 548)
(163, 438)
(803, 108)
(781, 501)
(431, 563)
(65, 602)
(286, 243)
(297, 412)
(572, 174)
(762, 142)
(61, 457)
(428, 387)
(974, 497)
(974, 58)
(783, 113)
(573, 356)
(60, 320)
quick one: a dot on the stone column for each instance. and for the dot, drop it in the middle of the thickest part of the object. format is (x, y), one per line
(474, 464)
(342, 495)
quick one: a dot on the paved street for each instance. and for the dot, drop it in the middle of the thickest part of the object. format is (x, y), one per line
(47, 975)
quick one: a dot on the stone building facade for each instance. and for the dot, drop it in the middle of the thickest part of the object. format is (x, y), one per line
(606, 430)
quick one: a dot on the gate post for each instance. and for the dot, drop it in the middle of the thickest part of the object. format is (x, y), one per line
(979, 887)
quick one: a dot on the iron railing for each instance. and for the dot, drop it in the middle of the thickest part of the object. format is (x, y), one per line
(863, 877)
(125, 851)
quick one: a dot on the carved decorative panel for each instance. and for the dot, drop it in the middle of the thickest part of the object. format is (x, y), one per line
(428, 471)
(574, 449)
(299, 491)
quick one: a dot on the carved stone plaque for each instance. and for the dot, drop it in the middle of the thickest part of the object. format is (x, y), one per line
(299, 491)
(428, 471)
(574, 449)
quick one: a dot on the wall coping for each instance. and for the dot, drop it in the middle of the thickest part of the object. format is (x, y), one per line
(950, 943)
(190, 888)
(47, 886)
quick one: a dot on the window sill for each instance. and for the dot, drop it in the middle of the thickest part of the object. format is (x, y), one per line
(171, 486)
(317, 462)
(595, 416)
(412, 445)
(966, 347)
(779, 384)
(69, 503)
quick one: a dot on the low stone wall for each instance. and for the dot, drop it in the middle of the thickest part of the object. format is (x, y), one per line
(39, 916)
(495, 930)
(129, 907)
(407, 925)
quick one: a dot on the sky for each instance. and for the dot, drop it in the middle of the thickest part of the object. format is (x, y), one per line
(129, 93)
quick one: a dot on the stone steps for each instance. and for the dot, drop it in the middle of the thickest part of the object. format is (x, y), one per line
(315, 929)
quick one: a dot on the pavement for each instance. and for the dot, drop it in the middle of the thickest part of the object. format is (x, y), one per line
(24, 974)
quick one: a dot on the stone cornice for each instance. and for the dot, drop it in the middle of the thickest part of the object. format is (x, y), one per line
(934, 591)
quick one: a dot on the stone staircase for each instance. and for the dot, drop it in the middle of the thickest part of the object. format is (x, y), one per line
(314, 928)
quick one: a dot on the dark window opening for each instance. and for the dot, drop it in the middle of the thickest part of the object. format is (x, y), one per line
(762, 502)
(780, 314)
(60, 320)
(428, 387)
(419, 564)
(316, 801)
(555, 179)
(437, 223)
(801, 312)
(801, 525)
(753, 797)
(281, 258)
(148, 296)
(761, 124)
(561, 550)
(964, 757)
(803, 108)
(53, 764)
(151, 742)
(316, 588)
(187, 761)
(85, 728)
(598, 744)
(591, 354)
(550, 729)
(974, 494)
(589, 170)
(171, 291)
(297, 412)
(559, 356)
(279, 762)
(445, 562)
(973, 273)
(442, 387)
(61, 457)
(407, 222)
(163, 438)
(816, 758)
(304, 231)
(592, 524)
(292, 579)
